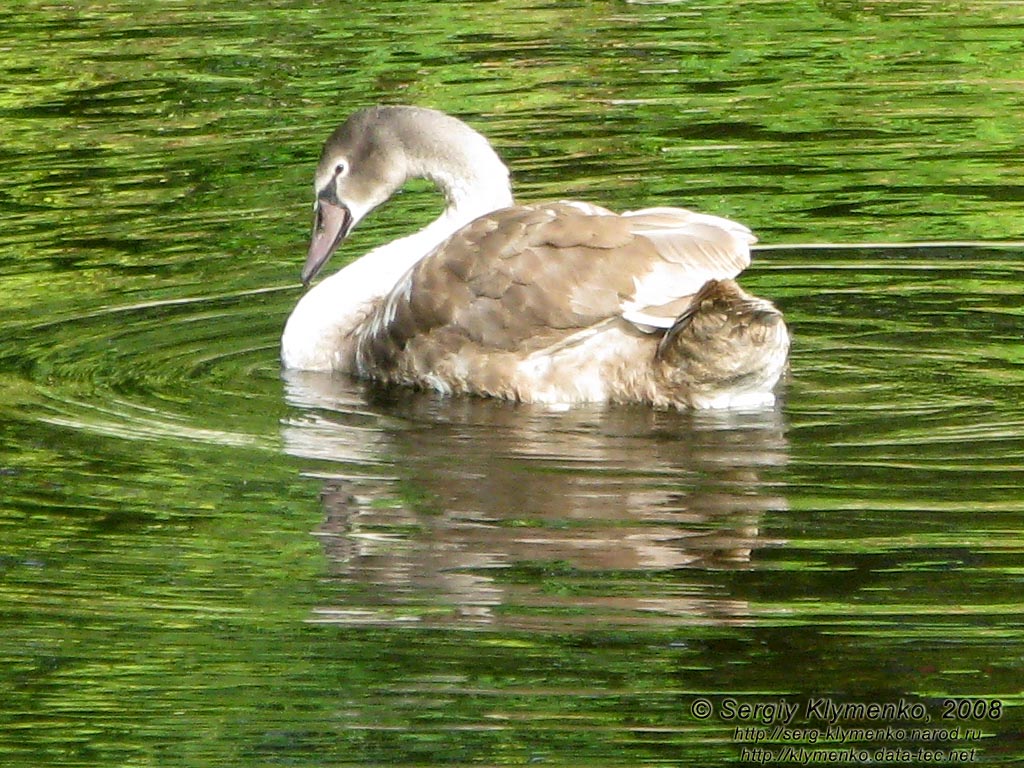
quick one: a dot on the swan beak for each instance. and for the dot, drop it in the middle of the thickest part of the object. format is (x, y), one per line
(332, 222)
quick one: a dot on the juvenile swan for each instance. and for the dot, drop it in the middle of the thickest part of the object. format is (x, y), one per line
(556, 303)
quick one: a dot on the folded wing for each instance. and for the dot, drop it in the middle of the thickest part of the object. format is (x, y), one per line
(528, 277)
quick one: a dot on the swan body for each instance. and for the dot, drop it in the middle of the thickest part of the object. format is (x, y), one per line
(554, 303)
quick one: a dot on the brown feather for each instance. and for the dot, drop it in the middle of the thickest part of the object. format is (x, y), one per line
(523, 281)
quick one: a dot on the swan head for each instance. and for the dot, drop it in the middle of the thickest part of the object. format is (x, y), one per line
(376, 150)
(362, 164)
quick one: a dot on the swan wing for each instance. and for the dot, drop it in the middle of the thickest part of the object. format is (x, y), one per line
(526, 278)
(694, 248)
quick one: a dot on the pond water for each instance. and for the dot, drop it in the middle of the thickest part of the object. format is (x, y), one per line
(206, 563)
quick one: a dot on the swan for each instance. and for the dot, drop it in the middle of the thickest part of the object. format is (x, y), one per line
(559, 303)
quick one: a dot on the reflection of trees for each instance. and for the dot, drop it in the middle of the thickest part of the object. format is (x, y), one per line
(491, 511)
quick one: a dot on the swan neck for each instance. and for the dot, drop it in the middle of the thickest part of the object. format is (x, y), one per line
(467, 171)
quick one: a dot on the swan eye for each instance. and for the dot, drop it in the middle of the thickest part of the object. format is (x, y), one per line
(340, 169)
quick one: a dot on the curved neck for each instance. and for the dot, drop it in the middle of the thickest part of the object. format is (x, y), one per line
(470, 175)
(319, 332)
(474, 182)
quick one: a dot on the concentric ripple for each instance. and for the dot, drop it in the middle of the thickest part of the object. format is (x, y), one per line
(904, 353)
(191, 368)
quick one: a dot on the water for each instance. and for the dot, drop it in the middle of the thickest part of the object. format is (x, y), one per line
(205, 563)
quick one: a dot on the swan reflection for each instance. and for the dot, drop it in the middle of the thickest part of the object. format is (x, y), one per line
(466, 510)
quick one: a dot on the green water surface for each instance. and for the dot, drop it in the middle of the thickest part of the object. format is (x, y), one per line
(206, 563)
